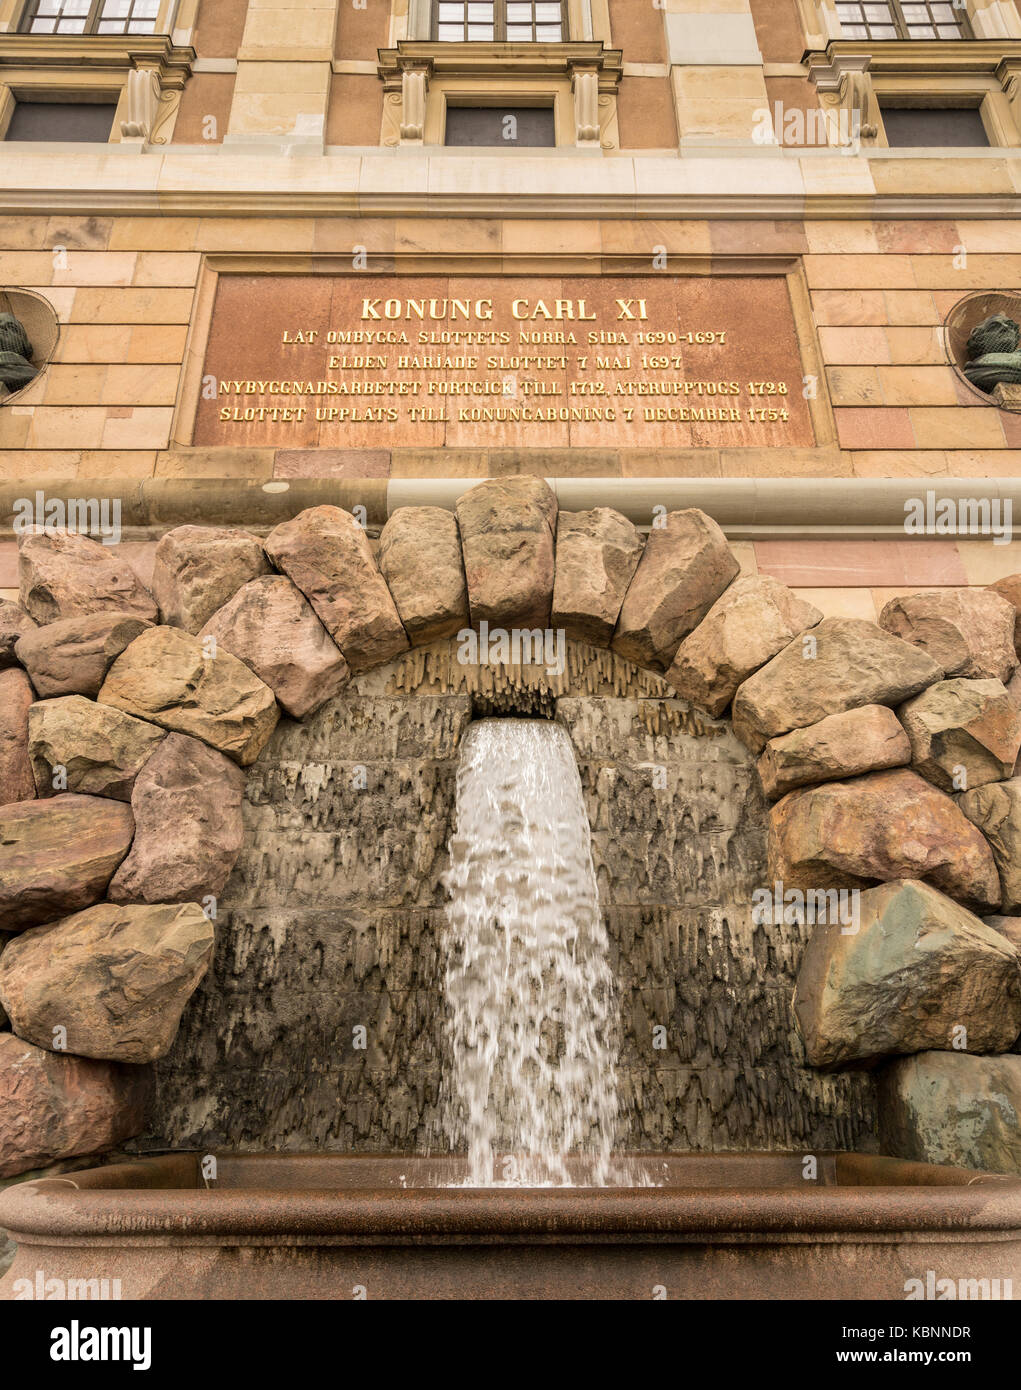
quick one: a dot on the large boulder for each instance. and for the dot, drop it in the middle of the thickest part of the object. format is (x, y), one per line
(842, 745)
(166, 677)
(1010, 589)
(685, 567)
(420, 559)
(507, 531)
(996, 810)
(842, 664)
(196, 569)
(16, 697)
(57, 856)
(14, 624)
(754, 620)
(949, 1108)
(109, 983)
(54, 1107)
(597, 554)
(968, 632)
(963, 733)
(1010, 927)
(270, 626)
(64, 575)
(327, 555)
(97, 749)
(72, 656)
(188, 826)
(918, 972)
(883, 826)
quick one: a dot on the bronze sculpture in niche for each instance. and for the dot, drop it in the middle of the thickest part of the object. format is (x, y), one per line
(993, 355)
(16, 367)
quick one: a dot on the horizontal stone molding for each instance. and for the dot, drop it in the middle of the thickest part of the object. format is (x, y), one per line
(746, 508)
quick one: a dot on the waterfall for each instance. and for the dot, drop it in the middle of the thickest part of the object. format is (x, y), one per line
(531, 1017)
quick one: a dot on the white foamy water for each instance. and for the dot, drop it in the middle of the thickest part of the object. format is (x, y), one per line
(531, 1014)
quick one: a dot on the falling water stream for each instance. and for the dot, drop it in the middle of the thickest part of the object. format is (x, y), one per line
(531, 1014)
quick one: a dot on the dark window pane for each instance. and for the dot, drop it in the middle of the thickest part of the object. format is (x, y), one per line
(508, 126)
(947, 126)
(61, 121)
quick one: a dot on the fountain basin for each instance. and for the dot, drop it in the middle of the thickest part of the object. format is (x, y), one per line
(741, 1226)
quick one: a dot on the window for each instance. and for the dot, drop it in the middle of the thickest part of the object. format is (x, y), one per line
(940, 127)
(61, 121)
(489, 21)
(92, 16)
(897, 19)
(510, 126)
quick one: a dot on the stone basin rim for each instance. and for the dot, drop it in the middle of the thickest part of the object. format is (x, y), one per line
(159, 1199)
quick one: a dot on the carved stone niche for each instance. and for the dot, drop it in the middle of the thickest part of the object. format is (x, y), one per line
(580, 80)
(846, 96)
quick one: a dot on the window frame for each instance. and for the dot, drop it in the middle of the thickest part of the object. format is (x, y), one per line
(901, 24)
(31, 13)
(500, 25)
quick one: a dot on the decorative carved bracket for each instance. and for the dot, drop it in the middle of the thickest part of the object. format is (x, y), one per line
(846, 96)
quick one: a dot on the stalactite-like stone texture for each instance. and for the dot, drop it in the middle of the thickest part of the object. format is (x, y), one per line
(319, 1024)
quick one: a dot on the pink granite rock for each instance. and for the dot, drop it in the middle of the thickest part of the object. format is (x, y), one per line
(57, 856)
(65, 575)
(114, 980)
(16, 697)
(685, 567)
(188, 826)
(883, 826)
(756, 618)
(508, 526)
(420, 559)
(840, 665)
(919, 972)
(969, 632)
(167, 677)
(54, 1106)
(327, 555)
(77, 745)
(271, 627)
(14, 624)
(996, 810)
(963, 733)
(1010, 589)
(597, 554)
(73, 655)
(841, 745)
(198, 568)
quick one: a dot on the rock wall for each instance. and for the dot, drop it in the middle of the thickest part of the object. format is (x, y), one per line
(332, 920)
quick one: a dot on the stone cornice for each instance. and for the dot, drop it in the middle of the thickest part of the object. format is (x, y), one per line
(939, 57)
(67, 53)
(746, 508)
(499, 60)
(736, 183)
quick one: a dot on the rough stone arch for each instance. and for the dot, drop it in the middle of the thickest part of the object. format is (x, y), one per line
(315, 622)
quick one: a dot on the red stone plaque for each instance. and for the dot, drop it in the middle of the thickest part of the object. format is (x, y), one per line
(361, 361)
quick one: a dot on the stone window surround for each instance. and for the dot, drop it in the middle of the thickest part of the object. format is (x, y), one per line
(579, 80)
(144, 74)
(171, 13)
(987, 19)
(587, 19)
(855, 74)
